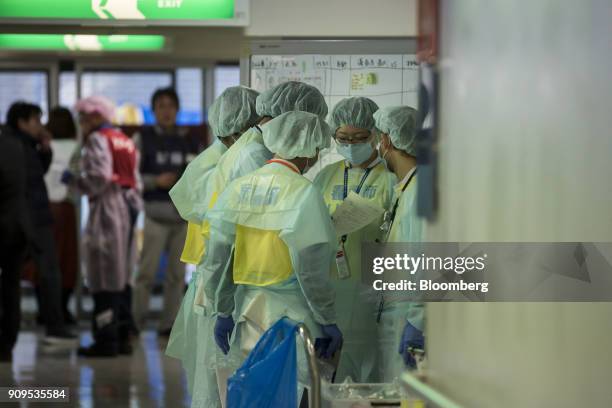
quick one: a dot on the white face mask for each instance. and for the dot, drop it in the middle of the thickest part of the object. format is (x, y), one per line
(357, 153)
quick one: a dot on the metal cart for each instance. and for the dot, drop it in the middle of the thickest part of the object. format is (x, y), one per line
(410, 391)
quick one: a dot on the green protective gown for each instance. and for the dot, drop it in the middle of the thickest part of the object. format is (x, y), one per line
(194, 322)
(192, 319)
(191, 339)
(356, 312)
(189, 192)
(199, 353)
(207, 356)
(407, 227)
(235, 163)
(273, 198)
(189, 197)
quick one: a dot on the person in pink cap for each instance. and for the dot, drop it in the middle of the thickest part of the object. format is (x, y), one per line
(109, 177)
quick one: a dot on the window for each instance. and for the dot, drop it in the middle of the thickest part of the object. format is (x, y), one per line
(30, 86)
(67, 89)
(130, 90)
(226, 76)
(190, 90)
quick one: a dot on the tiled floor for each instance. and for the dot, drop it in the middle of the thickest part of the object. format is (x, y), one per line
(146, 379)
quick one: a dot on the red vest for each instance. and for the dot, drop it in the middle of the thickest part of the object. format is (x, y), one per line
(124, 157)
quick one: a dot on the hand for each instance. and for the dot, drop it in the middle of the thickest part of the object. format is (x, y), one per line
(224, 327)
(332, 332)
(45, 137)
(67, 177)
(411, 337)
(166, 180)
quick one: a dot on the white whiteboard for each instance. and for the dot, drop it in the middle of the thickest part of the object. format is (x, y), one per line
(387, 79)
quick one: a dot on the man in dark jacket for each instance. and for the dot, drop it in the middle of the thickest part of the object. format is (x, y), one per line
(24, 126)
(13, 241)
(165, 151)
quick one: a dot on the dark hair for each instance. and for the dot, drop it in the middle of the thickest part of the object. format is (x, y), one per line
(61, 123)
(21, 111)
(168, 92)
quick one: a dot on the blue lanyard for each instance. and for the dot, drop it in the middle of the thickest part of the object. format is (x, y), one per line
(363, 179)
(358, 190)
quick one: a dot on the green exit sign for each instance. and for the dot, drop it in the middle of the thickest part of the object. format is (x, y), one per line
(120, 12)
(80, 42)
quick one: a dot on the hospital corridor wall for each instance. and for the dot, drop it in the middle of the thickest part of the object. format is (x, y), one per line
(525, 153)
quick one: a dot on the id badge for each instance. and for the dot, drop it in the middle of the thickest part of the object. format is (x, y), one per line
(344, 271)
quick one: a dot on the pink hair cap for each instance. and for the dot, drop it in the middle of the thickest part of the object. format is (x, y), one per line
(99, 104)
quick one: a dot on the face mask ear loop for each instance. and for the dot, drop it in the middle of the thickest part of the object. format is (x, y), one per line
(384, 154)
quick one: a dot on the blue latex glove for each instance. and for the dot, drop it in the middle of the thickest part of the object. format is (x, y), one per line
(333, 342)
(223, 330)
(67, 177)
(411, 337)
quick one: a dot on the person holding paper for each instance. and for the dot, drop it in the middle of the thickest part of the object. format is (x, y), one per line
(271, 236)
(364, 174)
(401, 322)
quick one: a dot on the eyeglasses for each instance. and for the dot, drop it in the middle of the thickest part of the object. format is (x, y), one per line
(350, 138)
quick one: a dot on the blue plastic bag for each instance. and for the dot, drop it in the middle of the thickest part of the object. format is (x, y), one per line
(268, 377)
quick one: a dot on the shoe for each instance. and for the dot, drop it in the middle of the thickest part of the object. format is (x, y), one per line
(164, 333)
(98, 350)
(61, 337)
(125, 348)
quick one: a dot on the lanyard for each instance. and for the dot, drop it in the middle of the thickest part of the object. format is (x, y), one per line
(363, 179)
(291, 166)
(394, 211)
(358, 190)
(381, 304)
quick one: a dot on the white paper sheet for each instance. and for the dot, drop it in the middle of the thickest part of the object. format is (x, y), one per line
(354, 213)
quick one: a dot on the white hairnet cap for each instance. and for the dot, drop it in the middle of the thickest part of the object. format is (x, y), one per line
(97, 104)
(233, 111)
(296, 134)
(357, 112)
(291, 96)
(399, 122)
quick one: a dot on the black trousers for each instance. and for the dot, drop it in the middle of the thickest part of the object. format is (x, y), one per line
(49, 279)
(11, 260)
(111, 318)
